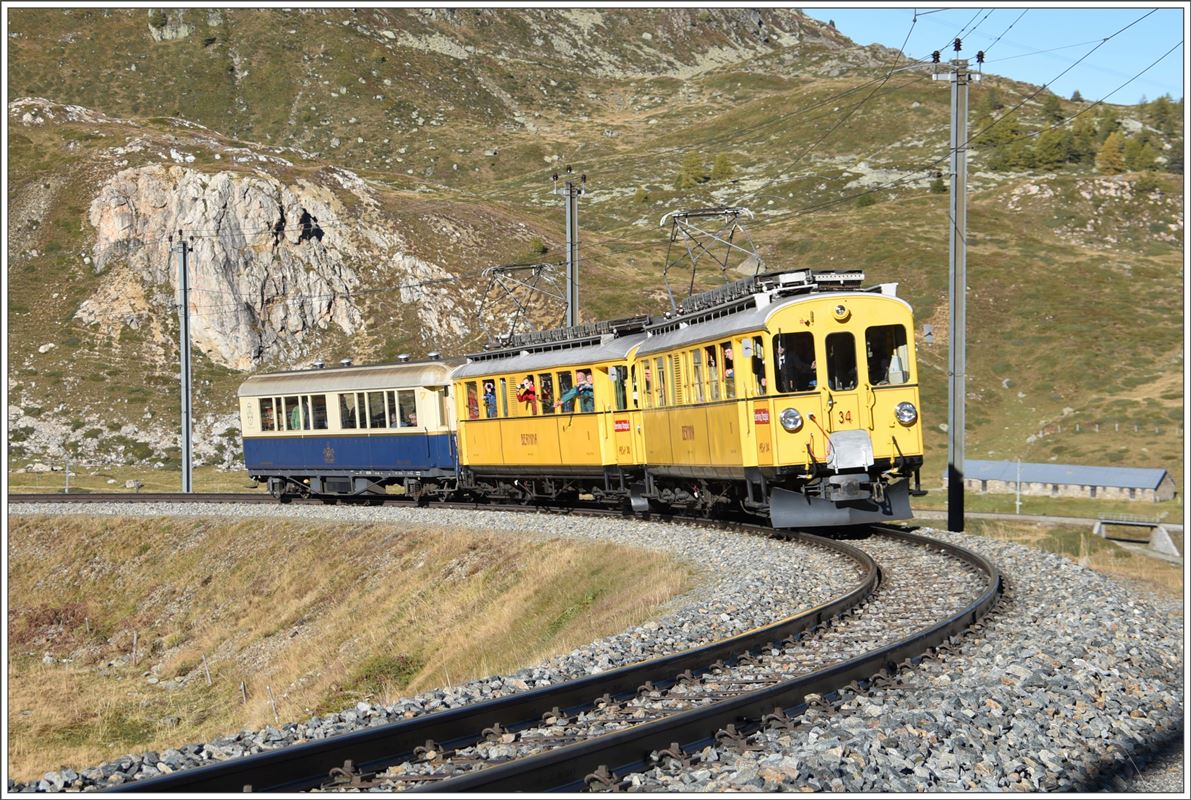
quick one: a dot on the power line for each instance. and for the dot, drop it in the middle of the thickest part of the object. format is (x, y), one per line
(1002, 33)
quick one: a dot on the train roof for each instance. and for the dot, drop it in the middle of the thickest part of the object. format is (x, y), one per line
(747, 305)
(607, 347)
(429, 372)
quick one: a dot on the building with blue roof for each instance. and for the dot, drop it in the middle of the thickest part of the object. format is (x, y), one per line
(1068, 480)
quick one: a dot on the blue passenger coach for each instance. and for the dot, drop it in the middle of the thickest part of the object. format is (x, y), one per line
(351, 430)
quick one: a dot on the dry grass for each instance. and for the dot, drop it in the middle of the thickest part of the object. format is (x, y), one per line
(324, 615)
(1078, 544)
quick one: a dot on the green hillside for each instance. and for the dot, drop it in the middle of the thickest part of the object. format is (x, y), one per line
(455, 120)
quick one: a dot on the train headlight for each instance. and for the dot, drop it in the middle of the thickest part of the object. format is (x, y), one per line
(906, 413)
(791, 420)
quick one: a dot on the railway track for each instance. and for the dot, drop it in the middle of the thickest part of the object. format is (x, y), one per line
(587, 732)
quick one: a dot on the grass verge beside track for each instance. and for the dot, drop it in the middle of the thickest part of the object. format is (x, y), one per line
(323, 615)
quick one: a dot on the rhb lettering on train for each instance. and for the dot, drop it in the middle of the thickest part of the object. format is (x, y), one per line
(529, 438)
(621, 425)
(761, 416)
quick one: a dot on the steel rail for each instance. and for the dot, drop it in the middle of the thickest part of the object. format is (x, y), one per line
(307, 765)
(629, 750)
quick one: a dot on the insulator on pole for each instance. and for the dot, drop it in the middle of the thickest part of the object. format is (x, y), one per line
(934, 57)
(959, 45)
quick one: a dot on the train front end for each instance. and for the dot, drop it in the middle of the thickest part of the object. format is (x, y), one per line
(839, 434)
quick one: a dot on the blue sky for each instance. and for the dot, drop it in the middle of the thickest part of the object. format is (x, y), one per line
(1074, 30)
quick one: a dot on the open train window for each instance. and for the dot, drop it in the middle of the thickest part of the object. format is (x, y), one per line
(473, 401)
(727, 364)
(565, 384)
(660, 371)
(888, 355)
(647, 378)
(268, 423)
(713, 372)
(620, 377)
(841, 361)
(755, 350)
(546, 392)
(504, 397)
(318, 411)
(794, 368)
(347, 411)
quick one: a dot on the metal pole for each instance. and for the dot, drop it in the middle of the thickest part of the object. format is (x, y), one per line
(184, 346)
(958, 284)
(67, 489)
(572, 267)
(1017, 502)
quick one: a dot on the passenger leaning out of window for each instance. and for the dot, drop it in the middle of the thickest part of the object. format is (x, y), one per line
(584, 390)
(526, 393)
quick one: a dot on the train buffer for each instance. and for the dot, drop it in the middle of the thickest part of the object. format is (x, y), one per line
(1159, 537)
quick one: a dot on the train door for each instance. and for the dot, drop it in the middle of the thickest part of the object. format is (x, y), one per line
(841, 394)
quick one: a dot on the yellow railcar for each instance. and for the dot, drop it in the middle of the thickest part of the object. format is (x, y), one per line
(793, 394)
(552, 415)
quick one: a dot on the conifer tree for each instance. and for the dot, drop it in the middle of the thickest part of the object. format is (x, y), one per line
(1076, 97)
(1053, 149)
(1111, 158)
(722, 168)
(1051, 108)
(1139, 154)
(690, 172)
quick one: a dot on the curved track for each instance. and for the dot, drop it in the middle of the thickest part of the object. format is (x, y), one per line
(575, 760)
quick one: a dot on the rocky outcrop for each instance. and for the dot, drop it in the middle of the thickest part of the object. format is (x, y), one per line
(270, 261)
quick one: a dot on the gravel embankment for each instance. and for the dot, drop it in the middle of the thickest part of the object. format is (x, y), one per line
(748, 581)
(896, 610)
(1068, 685)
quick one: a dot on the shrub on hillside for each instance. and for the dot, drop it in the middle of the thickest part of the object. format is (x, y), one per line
(865, 200)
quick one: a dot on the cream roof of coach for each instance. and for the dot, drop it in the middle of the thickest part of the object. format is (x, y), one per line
(374, 376)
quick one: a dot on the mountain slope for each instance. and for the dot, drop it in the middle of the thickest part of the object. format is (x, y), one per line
(423, 142)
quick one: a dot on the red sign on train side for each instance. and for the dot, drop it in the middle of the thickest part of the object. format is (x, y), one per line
(621, 426)
(761, 416)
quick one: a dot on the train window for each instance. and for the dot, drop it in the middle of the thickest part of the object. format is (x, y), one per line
(376, 410)
(726, 364)
(697, 373)
(306, 412)
(318, 411)
(660, 370)
(620, 379)
(527, 393)
(268, 423)
(647, 378)
(293, 414)
(841, 361)
(407, 409)
(888, 355)
(713, 372)
(473, 401)
(756, 346)
(633, 376)
(504, 397)
(795, 368)
(565, 384)
(391, 409)
(442, 407)
(546, 392)
(347, 411)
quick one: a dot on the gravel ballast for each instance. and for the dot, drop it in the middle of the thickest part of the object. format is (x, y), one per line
(1065, 686)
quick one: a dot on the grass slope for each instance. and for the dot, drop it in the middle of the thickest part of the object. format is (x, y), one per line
(325, 615)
